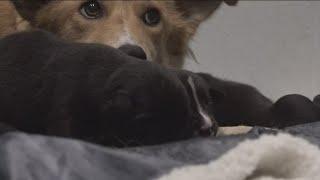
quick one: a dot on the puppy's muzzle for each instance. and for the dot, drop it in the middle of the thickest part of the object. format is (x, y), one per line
(204, 129)
(133, 50)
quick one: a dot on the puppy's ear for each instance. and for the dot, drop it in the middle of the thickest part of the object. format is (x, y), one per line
(217, 95)
(199, 10)
(216, 88)
(29, 8)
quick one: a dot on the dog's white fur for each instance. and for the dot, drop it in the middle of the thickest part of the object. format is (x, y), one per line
(280, 157)
(124, 38)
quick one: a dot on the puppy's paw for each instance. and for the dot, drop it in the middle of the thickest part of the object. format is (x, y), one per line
(295, 109)
(316, 100)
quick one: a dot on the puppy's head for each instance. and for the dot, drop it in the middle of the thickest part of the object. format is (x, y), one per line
(203, 99)
(145, 105)
(155, 30)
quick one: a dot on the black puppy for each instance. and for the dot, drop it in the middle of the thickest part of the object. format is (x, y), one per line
(93, 92)
(96, 93)
(241, 104)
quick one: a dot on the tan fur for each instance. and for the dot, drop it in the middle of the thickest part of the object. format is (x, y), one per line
(166, 44)
(10, 20)
(7, 18)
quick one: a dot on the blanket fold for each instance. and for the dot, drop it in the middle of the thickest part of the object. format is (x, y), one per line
(271, 157)
(235, 157)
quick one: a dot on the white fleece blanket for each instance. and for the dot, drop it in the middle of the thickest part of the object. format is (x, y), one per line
(271, 157)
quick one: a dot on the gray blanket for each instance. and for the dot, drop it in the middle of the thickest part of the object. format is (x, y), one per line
(32, 157)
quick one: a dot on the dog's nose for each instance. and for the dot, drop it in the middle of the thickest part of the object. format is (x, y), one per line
(133, 50)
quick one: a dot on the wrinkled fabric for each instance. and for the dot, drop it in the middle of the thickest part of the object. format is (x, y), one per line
(271, 157)
(35, 157)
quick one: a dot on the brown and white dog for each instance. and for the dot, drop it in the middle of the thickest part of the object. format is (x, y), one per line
(155, 30)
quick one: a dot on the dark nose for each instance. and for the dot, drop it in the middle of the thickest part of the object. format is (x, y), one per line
(205, 132)
(133, 50)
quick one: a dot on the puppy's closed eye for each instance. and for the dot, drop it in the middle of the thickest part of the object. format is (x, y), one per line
(119, 103)
(143, 116)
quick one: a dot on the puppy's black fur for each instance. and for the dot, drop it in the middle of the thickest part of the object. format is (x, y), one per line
(244, 105)
(91, 92)
(99, 94)
(316, 100)
(207, 96)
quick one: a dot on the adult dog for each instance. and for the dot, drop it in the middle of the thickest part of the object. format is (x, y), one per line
(159, 31)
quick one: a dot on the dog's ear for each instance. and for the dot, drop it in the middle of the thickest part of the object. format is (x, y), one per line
(29, 8)
(199, 10)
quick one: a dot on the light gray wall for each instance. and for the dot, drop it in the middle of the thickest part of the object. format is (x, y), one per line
(273, 45)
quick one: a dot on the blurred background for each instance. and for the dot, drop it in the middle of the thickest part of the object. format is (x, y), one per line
(272, 45)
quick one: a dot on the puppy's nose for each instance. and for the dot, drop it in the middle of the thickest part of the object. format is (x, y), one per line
(206, 131)
(133, 50)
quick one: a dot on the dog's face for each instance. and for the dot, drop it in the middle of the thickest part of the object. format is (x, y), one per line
(155, 30)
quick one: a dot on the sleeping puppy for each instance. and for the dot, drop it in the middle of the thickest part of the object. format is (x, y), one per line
(241, 104)
(95, 93)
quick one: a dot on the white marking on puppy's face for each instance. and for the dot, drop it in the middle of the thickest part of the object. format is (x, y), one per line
(205, 117)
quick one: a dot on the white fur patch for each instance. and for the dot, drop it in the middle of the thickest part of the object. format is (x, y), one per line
(280, 157)
(124, 38)
(206, 118)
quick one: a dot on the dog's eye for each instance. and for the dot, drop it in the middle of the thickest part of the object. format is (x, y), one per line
(91, 9)
(151, 17)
